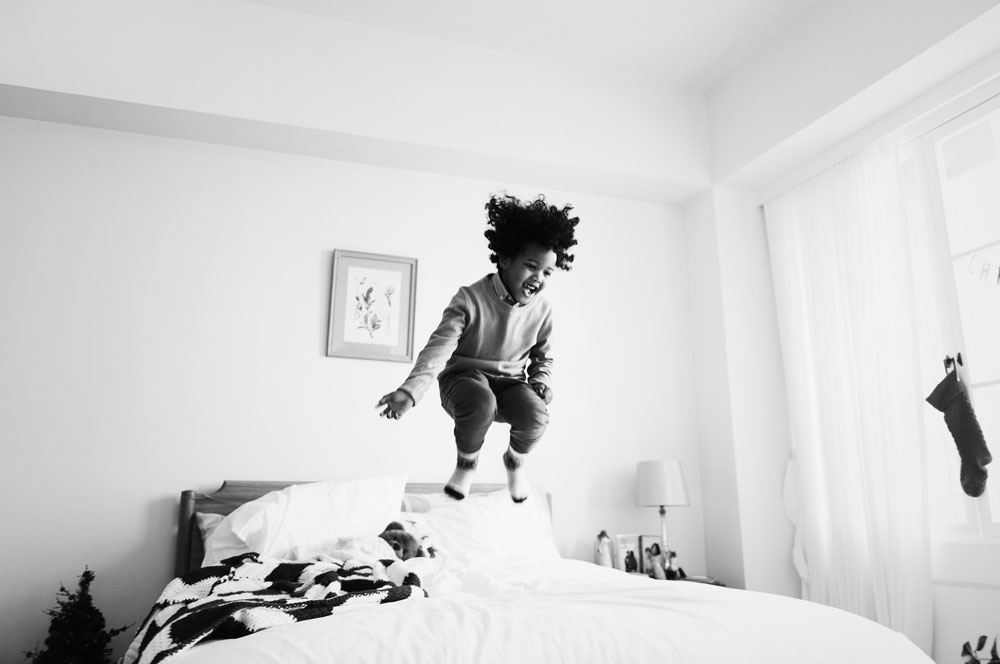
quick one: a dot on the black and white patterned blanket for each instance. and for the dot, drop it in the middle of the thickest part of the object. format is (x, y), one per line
(246, 594)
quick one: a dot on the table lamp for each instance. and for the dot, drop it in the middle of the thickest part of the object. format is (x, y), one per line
(660, 483)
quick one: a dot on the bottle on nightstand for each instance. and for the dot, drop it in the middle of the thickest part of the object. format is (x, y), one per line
(602, 550)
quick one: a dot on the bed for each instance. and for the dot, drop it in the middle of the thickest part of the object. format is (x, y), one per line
(497, 591)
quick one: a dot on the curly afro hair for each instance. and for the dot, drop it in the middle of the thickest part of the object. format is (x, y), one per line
(514, 224)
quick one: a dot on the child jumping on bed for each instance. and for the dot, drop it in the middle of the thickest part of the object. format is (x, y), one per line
(491, 351)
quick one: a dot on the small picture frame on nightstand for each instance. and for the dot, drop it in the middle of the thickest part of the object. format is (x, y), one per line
(651, 549)
(627, 553)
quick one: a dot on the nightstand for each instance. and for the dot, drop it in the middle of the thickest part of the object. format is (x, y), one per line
(693, 579)
(704, 579)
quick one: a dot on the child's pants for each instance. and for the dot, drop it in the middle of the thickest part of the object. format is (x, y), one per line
(475, 400)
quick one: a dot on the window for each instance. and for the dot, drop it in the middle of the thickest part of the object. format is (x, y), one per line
(959, 166)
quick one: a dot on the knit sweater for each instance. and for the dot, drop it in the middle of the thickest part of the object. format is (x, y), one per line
(481, 329)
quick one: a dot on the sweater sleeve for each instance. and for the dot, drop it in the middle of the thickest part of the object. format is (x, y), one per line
(540, 356)
(439, 347)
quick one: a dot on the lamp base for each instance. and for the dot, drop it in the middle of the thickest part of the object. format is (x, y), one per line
(663, 530)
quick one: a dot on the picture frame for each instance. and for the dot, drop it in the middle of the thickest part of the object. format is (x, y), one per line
(372, 300)
(627, 553)
(645, 542)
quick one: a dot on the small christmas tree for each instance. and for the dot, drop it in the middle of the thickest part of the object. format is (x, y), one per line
(76, 633)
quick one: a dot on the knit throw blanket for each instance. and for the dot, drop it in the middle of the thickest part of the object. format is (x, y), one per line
(246, 594)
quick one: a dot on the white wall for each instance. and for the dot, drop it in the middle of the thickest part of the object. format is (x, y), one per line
(164, 321)
(757, 391)
(742, 419)
(723, 519)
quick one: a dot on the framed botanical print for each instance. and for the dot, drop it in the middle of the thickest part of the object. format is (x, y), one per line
(372, 298)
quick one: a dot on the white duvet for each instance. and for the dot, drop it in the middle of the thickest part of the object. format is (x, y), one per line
(557, 610)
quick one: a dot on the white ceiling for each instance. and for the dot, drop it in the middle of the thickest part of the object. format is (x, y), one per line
(689, 43)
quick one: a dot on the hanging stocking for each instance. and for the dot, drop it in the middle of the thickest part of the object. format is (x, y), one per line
(952, 398)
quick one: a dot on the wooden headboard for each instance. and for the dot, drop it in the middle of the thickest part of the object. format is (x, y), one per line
(232, 494)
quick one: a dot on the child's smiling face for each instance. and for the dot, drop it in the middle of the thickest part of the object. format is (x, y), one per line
(525, 274)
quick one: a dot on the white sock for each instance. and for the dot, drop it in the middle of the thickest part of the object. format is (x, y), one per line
(465, 467)
(517, 481)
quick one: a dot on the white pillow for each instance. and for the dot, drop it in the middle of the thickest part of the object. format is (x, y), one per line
(424, 502)
(207, 523)
(303, 515)
(488, 529)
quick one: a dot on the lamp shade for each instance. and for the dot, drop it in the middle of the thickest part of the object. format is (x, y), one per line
(660, 483)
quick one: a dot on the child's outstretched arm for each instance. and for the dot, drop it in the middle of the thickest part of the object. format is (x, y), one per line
(430, 361)
(540, 364)
(396, 404)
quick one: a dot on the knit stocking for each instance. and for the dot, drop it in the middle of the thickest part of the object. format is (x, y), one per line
(952, 398)
(465, 467)
(516, 480)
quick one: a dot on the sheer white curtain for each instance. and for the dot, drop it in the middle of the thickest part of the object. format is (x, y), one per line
(845, 301)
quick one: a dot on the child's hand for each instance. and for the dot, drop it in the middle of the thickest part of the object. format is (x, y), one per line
(542, 391)
(396, 404)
